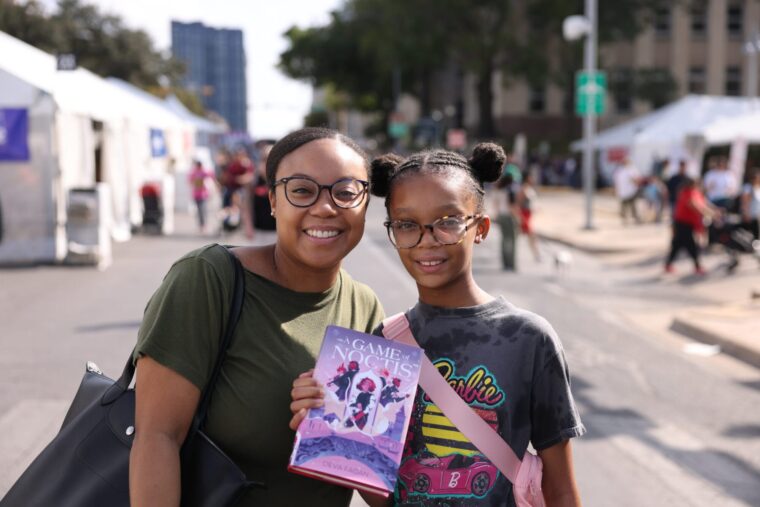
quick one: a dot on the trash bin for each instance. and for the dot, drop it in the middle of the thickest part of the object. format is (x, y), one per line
(87, 233)
(153, 209)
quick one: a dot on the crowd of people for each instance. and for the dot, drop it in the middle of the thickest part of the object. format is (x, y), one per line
(241, 180)
(716, 209)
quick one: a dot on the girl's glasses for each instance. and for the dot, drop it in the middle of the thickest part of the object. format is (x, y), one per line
(302, 192)
(448, 230)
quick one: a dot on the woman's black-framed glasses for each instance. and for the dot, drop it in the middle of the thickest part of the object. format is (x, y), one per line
(448, 230)
(302, 191)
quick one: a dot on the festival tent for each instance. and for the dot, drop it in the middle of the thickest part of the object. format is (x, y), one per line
(674, 131)
(54, 139)
(64, 130)
(185, 133)
(729, 130)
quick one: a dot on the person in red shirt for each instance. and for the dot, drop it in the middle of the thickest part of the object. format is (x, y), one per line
(688, 220)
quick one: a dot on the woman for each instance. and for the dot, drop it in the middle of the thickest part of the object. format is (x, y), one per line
(294, 288)
(688, 221)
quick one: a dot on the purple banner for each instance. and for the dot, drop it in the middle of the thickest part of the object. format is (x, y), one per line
(14, 134)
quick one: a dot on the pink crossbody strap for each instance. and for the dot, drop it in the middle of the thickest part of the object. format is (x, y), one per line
(469, 423)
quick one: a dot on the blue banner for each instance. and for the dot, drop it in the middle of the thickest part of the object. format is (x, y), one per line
(157, 143)
(14, 134)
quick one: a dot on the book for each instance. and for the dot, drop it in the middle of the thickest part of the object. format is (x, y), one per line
(356, 439)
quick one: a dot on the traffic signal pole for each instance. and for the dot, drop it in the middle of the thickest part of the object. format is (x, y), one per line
(589, 119)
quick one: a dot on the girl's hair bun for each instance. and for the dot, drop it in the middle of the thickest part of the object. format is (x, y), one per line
(487, 161)
(382, 169)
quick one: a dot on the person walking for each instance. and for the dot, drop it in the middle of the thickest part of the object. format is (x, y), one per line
(688, 221)
(524, 202)
(627, 181)
(294, 288)
(507, 219)
(674, 184)
(257, 210)
(750, 203)
(720, 185)
(200, 179)
(511, 357)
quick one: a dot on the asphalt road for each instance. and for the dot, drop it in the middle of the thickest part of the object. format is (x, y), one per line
(664, 427)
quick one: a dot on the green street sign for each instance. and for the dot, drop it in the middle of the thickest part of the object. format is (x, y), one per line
(590, 91)
(398, 129)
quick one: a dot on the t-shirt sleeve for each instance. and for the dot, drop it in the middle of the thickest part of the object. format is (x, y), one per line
(554, 416)
(185, 318)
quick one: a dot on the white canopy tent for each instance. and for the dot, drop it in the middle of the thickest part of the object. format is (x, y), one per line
(83, 130)
(677, 130)
(728, 130)
(181, 131)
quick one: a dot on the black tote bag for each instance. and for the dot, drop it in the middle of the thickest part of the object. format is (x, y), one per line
(87, 463)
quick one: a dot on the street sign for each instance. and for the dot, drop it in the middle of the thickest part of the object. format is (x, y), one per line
(397, 127)
(590, 89)
(66, 61)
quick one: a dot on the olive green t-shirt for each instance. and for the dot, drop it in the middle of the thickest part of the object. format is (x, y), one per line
(277, 338)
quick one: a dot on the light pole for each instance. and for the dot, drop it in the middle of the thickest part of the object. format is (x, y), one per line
(575, 27)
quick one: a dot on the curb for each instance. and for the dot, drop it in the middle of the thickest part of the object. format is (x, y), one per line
(730, 347)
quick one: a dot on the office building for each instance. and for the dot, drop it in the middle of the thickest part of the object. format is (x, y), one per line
(215, 69)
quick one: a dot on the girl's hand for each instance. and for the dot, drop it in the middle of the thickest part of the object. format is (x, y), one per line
(306, 393)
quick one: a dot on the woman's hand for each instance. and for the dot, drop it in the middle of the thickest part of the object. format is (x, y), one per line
(307, 393)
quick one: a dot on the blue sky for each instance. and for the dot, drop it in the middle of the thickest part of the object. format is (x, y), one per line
(277, 104)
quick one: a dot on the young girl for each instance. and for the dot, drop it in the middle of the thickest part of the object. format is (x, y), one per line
(507, 363)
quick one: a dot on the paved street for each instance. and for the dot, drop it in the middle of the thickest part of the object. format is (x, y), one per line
(665, 427)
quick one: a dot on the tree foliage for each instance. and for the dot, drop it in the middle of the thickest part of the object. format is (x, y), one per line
(100, 41)
(366, 42)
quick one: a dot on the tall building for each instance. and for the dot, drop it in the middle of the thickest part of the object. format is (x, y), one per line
(215, 61)
(699, 43)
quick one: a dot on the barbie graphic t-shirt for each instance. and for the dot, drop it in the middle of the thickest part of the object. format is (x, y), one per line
(508, 365)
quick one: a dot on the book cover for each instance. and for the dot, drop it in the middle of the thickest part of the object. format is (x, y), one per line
(357, 437)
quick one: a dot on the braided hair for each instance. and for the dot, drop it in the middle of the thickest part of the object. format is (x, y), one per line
(484, 165)
(298, 138)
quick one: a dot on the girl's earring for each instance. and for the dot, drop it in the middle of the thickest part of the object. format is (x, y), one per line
(271, 212)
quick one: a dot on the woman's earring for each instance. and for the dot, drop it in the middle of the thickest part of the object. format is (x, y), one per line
(271, 212)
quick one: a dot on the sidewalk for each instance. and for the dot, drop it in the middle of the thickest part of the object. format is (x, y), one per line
(732, 320)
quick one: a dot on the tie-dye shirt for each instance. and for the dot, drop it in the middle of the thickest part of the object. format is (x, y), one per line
(508, 365)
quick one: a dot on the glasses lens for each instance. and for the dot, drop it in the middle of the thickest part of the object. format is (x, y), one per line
(301, 192)
(449, 230)
(348, 193)
(404, 234)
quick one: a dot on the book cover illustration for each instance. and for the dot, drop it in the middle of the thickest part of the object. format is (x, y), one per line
(357, 437)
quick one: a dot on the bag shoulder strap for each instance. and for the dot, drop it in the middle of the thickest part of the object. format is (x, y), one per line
(472, 426)
(235, 310)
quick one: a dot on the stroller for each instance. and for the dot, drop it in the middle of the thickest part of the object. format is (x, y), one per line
(153, 210)
(736, 240)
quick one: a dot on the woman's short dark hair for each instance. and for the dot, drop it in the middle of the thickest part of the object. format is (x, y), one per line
(295, 140)
(484, 165)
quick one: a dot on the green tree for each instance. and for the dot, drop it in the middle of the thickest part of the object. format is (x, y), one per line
(357, 55)
(101, 42)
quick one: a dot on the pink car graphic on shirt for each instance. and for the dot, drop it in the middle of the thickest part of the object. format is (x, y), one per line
(455, 474)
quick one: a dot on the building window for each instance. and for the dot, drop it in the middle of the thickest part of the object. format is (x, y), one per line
(621, 88)
(662, 22)
(537, 100)
(733, 81)
(734, 22)
(698, 20)
(697, 80)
